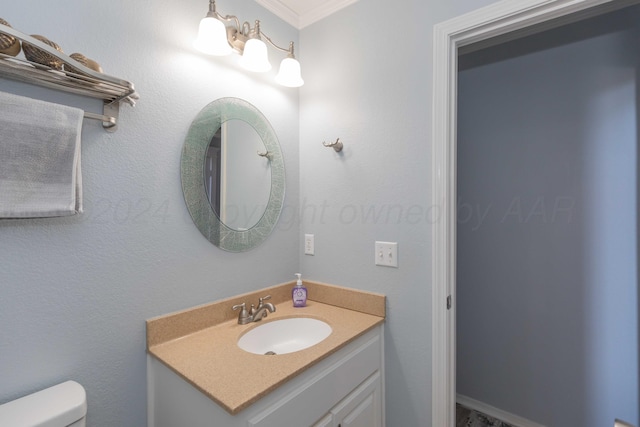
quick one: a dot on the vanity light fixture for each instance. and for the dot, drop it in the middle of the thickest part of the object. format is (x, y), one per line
(217, 38)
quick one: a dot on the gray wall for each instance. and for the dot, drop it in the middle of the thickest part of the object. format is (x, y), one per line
(547, 225)
(368, 82)
(74, 293)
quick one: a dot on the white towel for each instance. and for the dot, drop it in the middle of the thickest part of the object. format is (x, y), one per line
(39, 158)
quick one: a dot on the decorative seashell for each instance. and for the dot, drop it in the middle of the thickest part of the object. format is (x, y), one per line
(94, 65)
(9, 45)
(33, 54)
(89, 63)
(80, 58)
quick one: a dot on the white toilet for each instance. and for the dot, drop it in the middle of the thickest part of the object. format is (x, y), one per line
(63, 405)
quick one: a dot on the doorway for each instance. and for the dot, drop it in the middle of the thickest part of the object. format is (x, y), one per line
(547, 316)
(486, 26)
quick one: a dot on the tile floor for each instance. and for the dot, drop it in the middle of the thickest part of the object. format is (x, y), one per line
(466, 417)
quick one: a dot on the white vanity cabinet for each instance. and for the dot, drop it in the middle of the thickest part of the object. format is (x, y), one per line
(345, 389)
(361, 408)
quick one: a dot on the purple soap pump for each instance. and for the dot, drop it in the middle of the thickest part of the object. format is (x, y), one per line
(299, 293)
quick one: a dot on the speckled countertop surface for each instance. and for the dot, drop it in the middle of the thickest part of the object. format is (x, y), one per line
(199, 344)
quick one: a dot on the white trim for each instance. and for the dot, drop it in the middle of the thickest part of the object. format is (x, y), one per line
(486, 409)
(329, 7)
(291, 16)
(279, 9)
(494, 20)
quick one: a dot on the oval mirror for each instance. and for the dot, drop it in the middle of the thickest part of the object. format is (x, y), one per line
(232, 174)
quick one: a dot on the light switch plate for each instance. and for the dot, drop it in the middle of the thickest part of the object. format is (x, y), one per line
(386, 254)
(309, 246)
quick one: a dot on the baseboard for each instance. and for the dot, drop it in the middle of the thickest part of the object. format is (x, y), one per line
(512, 419)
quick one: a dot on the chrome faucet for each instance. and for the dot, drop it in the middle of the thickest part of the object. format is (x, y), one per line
(254, 314)
(261, 311)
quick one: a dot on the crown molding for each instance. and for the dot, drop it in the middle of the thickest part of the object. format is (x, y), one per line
(299, 21)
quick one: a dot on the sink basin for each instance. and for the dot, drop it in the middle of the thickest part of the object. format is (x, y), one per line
(284, 336)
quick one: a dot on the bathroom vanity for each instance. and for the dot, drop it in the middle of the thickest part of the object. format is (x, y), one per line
(198, 376)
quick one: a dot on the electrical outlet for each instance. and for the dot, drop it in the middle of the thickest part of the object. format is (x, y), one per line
(387, 254)
(309, 248)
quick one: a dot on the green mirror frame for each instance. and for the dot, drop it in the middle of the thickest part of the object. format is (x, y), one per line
(202, 129)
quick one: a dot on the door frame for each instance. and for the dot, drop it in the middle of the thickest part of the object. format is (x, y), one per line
(508, 19)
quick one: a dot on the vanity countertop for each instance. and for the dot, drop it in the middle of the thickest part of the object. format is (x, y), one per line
(200, 344)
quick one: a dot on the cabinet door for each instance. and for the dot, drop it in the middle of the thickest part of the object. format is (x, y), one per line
(361, 408)
(326, 421)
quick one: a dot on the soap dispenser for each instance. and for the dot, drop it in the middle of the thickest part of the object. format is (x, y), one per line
(299, 293)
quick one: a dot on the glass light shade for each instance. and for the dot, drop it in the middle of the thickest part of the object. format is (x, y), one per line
(212, 37)
(255, 57)
(289, 74)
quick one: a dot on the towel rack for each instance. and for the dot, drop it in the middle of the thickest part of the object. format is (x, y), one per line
(87, 82)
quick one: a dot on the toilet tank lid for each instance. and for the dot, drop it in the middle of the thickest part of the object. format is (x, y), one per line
(60, 405)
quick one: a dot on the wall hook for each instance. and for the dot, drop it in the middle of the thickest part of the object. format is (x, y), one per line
(337, 146)
(265, 154)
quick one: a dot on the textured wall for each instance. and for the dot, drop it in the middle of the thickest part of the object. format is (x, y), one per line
(547, 225)
(74, 292)
(368, 82)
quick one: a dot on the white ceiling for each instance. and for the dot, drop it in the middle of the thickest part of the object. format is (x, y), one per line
(301, 13)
